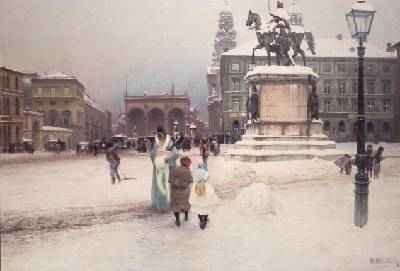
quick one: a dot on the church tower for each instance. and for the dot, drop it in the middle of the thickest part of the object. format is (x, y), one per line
(225, 38)
(296, 17)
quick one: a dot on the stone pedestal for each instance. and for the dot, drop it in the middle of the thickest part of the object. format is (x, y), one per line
(283, 131)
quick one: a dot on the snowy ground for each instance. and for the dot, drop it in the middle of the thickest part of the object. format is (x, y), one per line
(65, 215)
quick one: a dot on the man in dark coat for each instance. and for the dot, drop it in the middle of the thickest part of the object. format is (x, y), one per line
(181, 180)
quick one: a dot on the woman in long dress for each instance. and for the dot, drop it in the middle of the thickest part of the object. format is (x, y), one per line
(163, 154)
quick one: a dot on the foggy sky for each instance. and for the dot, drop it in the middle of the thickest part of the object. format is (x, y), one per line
(150, 43)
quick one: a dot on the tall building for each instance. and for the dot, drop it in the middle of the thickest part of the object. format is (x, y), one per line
(11, 109)
(335, 60)
(396, 47)
(225, 40)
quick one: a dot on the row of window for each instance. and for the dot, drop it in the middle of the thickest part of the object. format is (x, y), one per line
(351, 87)
(351, 105)
(53, 92)
(369, 68)
(341, 127)
(63, 119)
(9, 82)
(9, 134)
(10, 105)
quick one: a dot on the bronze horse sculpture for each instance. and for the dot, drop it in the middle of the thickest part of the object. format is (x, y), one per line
(280, 45)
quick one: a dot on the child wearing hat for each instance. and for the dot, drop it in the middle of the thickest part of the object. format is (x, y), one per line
(203, 196)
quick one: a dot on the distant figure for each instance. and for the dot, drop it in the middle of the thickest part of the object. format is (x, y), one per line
(204, 151)
(95, 149)
(345, 164)
(203, 196)
(181, 180)
(370, 161)
(58, 146)
(114, 162)
(378, 157)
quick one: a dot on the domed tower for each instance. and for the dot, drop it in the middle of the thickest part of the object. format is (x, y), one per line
(225, 38)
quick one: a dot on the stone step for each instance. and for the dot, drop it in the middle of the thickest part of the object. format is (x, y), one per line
(284, 145)
(284, 138)
(262, 156)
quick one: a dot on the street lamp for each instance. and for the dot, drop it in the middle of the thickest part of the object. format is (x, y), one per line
(359, 19)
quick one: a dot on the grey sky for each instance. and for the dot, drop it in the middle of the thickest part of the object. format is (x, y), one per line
(152, 43)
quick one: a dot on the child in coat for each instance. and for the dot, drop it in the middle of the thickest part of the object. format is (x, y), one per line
(203, 196)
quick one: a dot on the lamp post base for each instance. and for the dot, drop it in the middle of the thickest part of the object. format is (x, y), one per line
(361, 192)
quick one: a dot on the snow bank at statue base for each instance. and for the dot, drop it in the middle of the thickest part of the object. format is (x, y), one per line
(255, 199)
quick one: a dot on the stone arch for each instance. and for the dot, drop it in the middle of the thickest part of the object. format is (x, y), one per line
(355, 130)
(326, 127)
(370, 131)
(155, 118)
(53, 117)
(386, 131)
(176, 114)
(342, 127)
(136, 122)
(370, 127)
(36, 134)
(66, 118)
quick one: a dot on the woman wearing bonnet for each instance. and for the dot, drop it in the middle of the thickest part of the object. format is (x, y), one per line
(163, 155)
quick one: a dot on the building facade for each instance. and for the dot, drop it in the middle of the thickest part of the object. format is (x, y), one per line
(225, 40)
(11, 109)
(65, 104)
(335, 60)
(145, 113)
(98, 123)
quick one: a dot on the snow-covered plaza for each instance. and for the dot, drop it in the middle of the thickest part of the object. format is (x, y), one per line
(66, 215)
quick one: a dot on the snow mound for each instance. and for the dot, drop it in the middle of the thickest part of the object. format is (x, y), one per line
(255, 199)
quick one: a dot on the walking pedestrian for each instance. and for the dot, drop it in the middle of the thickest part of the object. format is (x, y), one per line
(114, 162)
(181, 181)
(345, 164)
(378, 157)
(202, 196)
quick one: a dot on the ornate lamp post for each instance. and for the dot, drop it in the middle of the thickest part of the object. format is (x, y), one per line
(359, 19)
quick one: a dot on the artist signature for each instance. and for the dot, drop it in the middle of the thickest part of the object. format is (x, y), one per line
(381, 260)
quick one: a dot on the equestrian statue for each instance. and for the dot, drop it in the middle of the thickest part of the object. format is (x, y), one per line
(278, 37)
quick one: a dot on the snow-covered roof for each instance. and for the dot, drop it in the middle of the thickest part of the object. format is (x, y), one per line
(212, 69)
(92, 103)
(55, 129)
(282, 70)
(362, 5)
(336, 48)
(56, 75)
